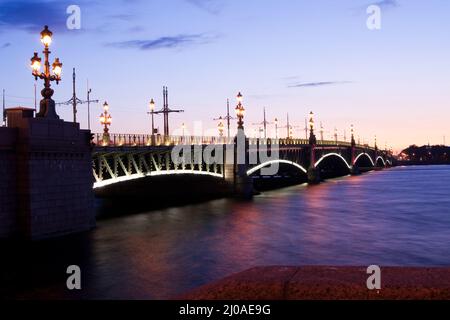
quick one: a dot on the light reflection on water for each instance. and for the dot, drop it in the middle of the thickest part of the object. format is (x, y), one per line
(393, 217)
(399, 216)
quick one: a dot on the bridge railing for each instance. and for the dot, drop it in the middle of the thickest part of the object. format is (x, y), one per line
(255, 141)
(142, 140)
(333, 143)
(136, 140)
(341, 143)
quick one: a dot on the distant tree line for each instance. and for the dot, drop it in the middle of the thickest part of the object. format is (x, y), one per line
(425, 155)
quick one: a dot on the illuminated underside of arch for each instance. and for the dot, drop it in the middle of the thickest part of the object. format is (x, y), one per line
(265, 164)
(332, 154)
(108, 182)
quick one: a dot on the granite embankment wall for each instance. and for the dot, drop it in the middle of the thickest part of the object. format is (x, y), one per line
(8, 200)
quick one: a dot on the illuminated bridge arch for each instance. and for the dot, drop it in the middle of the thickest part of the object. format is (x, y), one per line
(118, 166)
(382, 160)
(333, 155)
(265, 164)
(367, 155)
(114, 180)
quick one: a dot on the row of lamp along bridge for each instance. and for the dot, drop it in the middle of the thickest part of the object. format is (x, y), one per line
(106, 139)
(313, 173)
(47, 106)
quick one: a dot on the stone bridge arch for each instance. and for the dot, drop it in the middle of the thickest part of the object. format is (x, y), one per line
(115, 166)
(380, 161)
(279, 161)
(359, 158)
(334, 155)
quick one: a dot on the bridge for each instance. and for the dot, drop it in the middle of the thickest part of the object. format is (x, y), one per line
(121, 159)
(51, 169)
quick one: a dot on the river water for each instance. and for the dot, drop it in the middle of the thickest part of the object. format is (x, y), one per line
(399, 216)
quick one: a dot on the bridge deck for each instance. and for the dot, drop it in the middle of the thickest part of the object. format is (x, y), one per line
(145, 140)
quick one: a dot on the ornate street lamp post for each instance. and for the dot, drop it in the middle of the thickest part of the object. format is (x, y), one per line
(312, 136)
(220, 126)
(335, 135)
(152, 112)
(105, 120)
(227, 117)
(240, 112)
(352, 131)
(183, 128)
(353, 153)
(321, 132)
(243, 185)
(313, 172)
(276, 128)
(375, 152)
(47, 105)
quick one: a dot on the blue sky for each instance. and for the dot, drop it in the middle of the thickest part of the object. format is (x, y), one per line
(288, 56)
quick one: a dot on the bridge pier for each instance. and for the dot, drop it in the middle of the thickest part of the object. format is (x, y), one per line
(354, 171)
(313, 175)
(51, 177)
(243, 187)
(240, 185)
(236, 167)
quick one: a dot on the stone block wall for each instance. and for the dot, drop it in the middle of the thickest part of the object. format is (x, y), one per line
(8, 200)
(51, 184)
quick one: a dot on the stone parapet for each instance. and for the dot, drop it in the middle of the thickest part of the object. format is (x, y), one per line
(52, 176)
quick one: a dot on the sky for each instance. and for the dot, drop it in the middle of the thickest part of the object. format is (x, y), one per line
(289, 56)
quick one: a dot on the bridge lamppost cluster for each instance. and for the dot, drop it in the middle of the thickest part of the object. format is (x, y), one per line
(312, 136)
(47, 105)
(352, 132)
(240, 112)
(321, 131)
(105, 120)
(276, 128)
(152, 112)
(313, 173)
(228, 118)
(353, 145)
(220, 126)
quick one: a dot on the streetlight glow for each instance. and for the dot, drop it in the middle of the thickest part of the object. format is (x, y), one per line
(311, 121)
(36, 64)
(220, 126)
(240, 111)
(239, 97)
(105, 120)
(57, 68)
(152, 105)
(47, 105)
(46, 37)
(276, 128)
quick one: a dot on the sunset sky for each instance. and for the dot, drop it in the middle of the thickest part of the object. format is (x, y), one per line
(288, 56)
